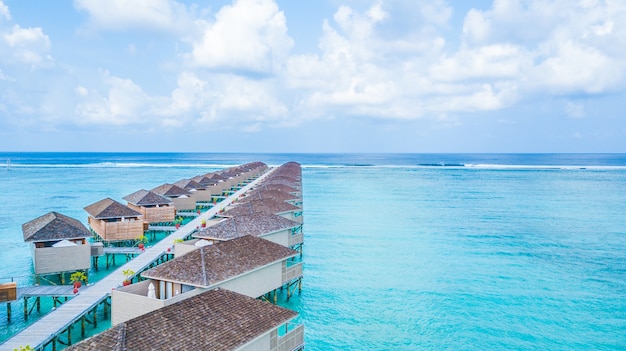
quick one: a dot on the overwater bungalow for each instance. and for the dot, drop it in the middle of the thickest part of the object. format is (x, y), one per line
(280, 187)
(248, 265)
(280, 208)
(261, 194)
(214, 320)
(153, 207)
(229, 183)
(268, 226)
(182, 199)
(279, 179)
(213, 183)
(113, 221)
(197, 190)
(59, 244)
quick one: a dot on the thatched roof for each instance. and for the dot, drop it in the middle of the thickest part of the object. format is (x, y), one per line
(213, 264)
(265, 205)
(255, 224)
(170, 190)
(54, 226)
(216, 320)
(146, 198)
(109, 208)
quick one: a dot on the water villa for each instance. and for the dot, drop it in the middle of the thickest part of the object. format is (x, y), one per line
(214, 320)
(268, 226)
(182, 199)
(59, 244)
(113, 221)
(248, 265)
(277, 207)
(153, 207)
(262, 193)
(213, 184)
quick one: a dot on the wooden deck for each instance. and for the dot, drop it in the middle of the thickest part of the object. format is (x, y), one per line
(121, 250)
(44, 330)
(163, 228)
(45, 290)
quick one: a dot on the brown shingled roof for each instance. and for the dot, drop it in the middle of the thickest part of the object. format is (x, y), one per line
(265, 205)
(189, 184)
(146, 198)
(213, 264)
(255, 224)
(217, 177)
(109, 208)
(205, 180)
(260, 194)
(216, 320)
(170, 190)
(279, 187)
(54, 226)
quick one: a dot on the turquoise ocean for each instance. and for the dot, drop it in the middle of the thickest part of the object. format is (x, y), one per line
(402, 251)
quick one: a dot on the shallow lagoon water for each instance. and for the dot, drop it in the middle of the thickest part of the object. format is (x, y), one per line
(402, 253)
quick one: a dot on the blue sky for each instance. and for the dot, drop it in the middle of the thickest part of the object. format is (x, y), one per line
(313, 76)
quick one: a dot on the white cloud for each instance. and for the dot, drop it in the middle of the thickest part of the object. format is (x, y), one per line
(574, 110)
(249, 35)
(558, 47)
(28, 46)
(4, 11)
(572, 68)
(361, 72)
(498, 61)
(117, 15)
(123, 103)
(82, 91)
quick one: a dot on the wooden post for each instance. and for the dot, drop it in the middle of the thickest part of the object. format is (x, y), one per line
(95, 317)
(82, 326)
(38, 301)
(8, 312)
(69, 335)
(299, 286)
(105, 309)
(25, 308)
(275, 297)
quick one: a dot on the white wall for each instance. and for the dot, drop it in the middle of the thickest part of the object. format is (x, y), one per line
(62, 259)
(257, 283)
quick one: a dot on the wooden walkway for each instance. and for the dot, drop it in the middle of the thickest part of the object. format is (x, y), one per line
(44, 290)
(45, 329)
(112, 250)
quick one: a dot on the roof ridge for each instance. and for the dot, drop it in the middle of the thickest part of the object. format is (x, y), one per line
(122, 337)
(204, 278)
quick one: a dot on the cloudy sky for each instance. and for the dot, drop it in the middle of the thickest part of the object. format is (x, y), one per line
(313, 76)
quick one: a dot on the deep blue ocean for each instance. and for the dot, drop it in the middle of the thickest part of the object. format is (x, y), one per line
(402, 251)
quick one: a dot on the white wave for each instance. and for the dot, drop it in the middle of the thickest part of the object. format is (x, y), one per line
(122, 165)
